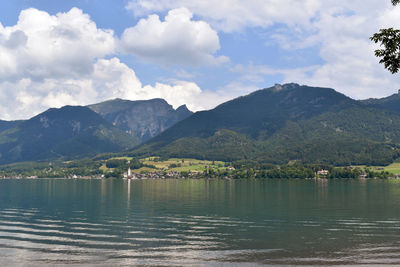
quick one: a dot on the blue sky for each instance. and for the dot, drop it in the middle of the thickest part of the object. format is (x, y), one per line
(199, 53)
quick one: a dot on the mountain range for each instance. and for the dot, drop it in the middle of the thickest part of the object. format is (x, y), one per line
(287, 123)
(74, 131)
(282, 124)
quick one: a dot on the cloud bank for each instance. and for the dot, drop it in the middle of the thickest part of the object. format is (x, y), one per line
(235, 15)
(51, 61)
(338, 30)
(54, 60)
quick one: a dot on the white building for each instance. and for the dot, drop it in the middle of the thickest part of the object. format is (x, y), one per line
(128, 174)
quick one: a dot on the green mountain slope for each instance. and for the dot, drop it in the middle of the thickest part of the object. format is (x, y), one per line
(282, 124)
(68, 132)
(4, 125)
(261, 113)
(141, 119)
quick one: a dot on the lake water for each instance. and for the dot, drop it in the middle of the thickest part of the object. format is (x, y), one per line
(199, 222)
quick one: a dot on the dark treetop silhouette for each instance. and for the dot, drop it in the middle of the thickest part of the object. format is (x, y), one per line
(390, 40)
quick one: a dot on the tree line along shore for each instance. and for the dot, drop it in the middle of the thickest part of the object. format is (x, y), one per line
(161, 168)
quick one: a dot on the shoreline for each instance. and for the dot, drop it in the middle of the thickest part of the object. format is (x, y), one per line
(193, 178)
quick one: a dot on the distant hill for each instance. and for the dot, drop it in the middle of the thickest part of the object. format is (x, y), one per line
(389, 103)
(285, 123)
(68, 132)
(142, 119)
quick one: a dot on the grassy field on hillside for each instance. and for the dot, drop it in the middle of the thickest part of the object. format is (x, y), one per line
(393, 168)
(181, 164)
(126, 158)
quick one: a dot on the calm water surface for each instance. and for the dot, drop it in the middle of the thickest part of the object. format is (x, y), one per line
(199, 222)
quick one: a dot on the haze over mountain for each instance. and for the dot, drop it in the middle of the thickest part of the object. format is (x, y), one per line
(282, 124)
(141, 119)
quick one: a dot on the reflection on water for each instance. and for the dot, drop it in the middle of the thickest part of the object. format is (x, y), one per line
(180, 222)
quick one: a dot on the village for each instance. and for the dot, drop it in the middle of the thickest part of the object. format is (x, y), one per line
(185, 168)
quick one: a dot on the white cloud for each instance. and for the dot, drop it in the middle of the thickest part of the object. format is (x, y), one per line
(44, 59)
(41, 46)
(110, 79)
(49, 61)
(349, 62)
(234, 15)
(52, 61)
(178, 40)
(338, 30)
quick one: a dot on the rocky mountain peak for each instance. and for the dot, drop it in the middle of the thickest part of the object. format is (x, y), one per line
(142, 119)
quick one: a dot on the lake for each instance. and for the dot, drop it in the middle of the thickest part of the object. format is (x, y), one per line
(199, 222)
